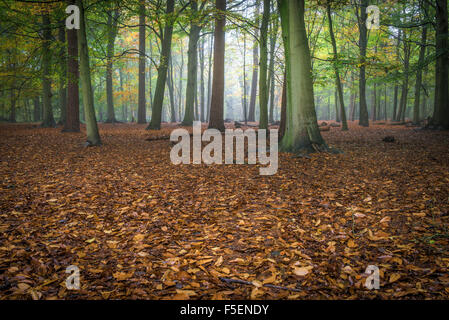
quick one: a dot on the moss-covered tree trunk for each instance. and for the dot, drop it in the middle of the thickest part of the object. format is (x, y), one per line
(93, 136)
(302, 134)
(156, 114)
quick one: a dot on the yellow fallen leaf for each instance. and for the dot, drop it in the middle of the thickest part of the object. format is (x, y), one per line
(394, 277)
(302, 271)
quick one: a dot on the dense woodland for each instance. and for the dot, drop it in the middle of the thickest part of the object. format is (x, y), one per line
(370, 95)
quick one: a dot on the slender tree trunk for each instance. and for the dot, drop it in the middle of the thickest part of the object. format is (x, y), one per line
(209, 78)
(422, 52)
(37, 109)
(441, 105)
(252, 102)
(156, 115)
(93, 136)
(141, 109)
(72, 123)
(192, 69)
(62, 76)
(244, 98)
(201, 54)
(273, 37)
(112, 33)
(283, 121)
(337, 73)
(352, 99)
(217, 99)
(302, 132)
(49, 120)
(263, 83)
(404, 93)
(363, 116)
(171, 96)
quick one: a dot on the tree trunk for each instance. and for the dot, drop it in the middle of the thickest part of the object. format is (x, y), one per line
(244, 98)
(192, 69)
(62, 77)
(252, 102)
(337, 73)
(37, 109)
(93, 136)
(441, 105)
(48, 121)
(263, 85)
(283, 121)
(363, 116)
(156, 114)
(141, 109)
(422, 52)
(217, 99)
(209, 78)
(404, 92)
(352, 99)
(302, 132)
(171, 96)
(273, 38)
(112, 33)
(72, 123)
(201, 54)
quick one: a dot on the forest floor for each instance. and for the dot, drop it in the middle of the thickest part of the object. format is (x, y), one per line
(138, 226)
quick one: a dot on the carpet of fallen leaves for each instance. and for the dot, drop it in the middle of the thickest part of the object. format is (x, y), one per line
(139, 227)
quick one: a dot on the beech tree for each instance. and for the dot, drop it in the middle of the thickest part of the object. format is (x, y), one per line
(302, 134)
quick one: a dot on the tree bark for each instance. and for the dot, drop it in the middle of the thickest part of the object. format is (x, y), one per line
(217, 99)
(302, 133)
(48, 120)
(263, 85)
(252, 102)
(93, 136)
(62, 76)
(363, 116)
(192, 69)
(72, 123)
(156, 114)
(337, 73)
(441, 104)
(422, 52)
(141, 109)
(112, 33)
